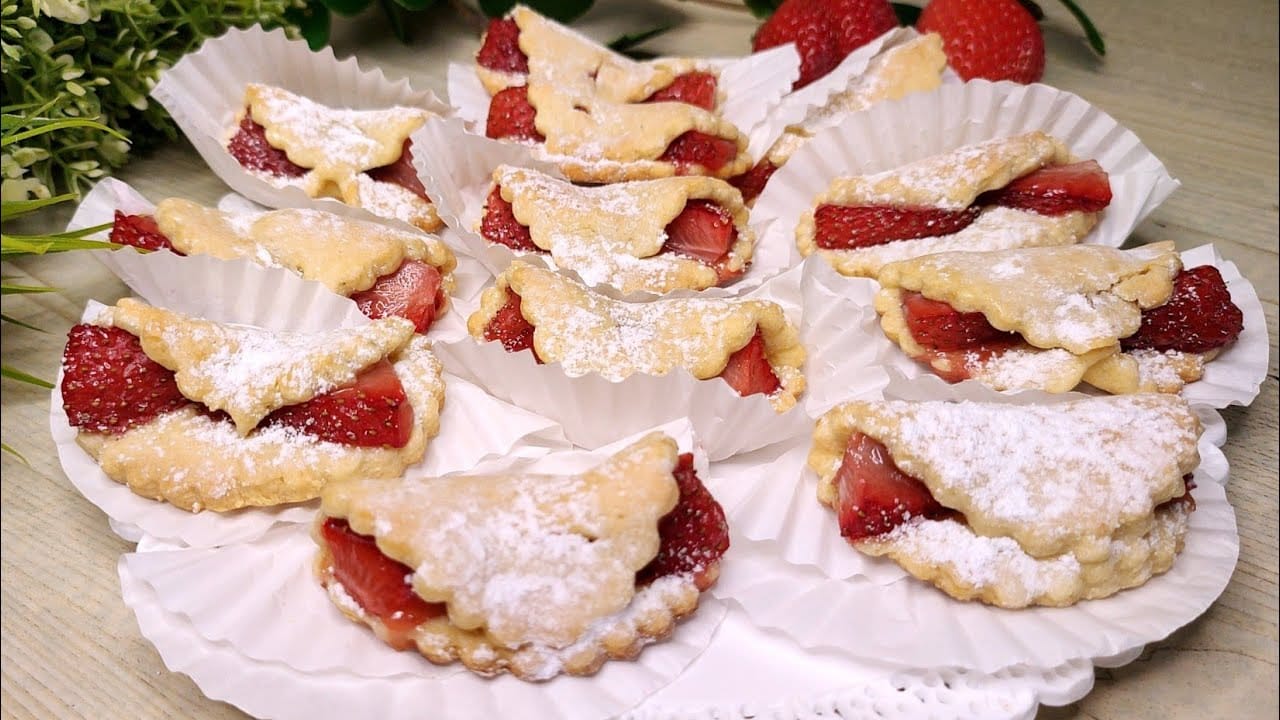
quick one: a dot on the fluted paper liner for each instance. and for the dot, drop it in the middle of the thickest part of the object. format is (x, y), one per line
(894, 133)
(459, 176)
(794, 579)
(205, 91)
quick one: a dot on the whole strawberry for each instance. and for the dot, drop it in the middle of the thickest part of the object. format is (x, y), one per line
(824, 31)
(991, 39)
(858, 22)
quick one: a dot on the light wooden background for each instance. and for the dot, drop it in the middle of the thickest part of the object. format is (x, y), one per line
(1196, 81)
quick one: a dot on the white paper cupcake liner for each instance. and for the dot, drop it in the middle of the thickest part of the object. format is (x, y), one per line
(161, 277)
(459, 176)
(205, 91)
(894, 133)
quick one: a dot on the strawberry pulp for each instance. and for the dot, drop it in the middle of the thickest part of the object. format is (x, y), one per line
(415, 291)
(499, 224)
(140, 231)
(748, 371)
(751, 183)
(1078, 187)
(1198, 317)
(944, 331)
(509, 327)
(874, 496)
(512, 117)
(694, 535)
(109, 385)
(370, 411)
(500, 50)
(693, 149)
(378, 584)
(694, 88)
(703, 231)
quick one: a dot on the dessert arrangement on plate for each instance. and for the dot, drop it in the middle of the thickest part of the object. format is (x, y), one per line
(741, 318)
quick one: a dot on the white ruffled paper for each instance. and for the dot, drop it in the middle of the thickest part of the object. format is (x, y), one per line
(593, 410)
(160, 277)
(897, 132)
(205, 91)
(459, 176)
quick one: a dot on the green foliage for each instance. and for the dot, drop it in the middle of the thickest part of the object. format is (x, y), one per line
(562, 10)
(762, 8)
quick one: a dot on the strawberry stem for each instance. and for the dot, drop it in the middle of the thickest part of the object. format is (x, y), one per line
(1090, 31)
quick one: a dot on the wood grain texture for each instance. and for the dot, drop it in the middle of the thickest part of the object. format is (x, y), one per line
(1198, 85)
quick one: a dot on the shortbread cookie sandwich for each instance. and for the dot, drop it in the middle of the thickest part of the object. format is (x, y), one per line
(206, 415)
(531, 574)
(1123, 321)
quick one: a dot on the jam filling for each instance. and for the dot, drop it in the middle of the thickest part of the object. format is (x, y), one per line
(140, 231)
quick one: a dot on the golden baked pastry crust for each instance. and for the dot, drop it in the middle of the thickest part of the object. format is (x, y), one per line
(1072, 488)
(194, 462)
(337, 146)
(537, 571)
(589, 333)
(614, 234)
(952, 181)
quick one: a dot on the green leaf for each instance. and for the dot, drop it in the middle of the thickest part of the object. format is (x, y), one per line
(5, 447)
(393, 13)
(10, 289)
(496, 8)
(40, 126)
(415, 5)
(16, 374)
(1034, 8)
(15, 321)
(11, 209)
(623, 43)
(1090, 30)
(347, 7)
(313, 23)
(762, 8)
(18, 245)
(907, 14)
(560, 10)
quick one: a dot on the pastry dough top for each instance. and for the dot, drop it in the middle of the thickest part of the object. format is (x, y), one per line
(343, 254)
(249, 372)
(529, 558)
(613, 234)
(1078, 297)
(1057, 478)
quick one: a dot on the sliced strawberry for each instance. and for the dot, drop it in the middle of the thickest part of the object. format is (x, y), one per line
(703, 231)
(109, 385)
(874, 495)
(372, 411)
(695, 148)
(1079, 187)
(938, 326)
(140, 231)
(510, 328)
(250, 148)
(413, 292)
(842, 227)
(501, 48)
(499, 224)
(752, 182)
(1198, 317)
(695, 88)
(748, 370)
(401, 172)
(694, 535)
(378, 584)
(511, 117)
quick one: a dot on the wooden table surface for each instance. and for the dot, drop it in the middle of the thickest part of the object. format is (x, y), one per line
(1196, 82)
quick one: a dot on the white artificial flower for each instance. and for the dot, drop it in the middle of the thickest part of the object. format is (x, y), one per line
(23, 189)
(75, 12)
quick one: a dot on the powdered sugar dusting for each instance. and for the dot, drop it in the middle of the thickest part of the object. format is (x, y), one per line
(1023, 367)
(997, 228)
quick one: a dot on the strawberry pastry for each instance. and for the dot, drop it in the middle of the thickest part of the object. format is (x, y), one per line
(362, 157)
(1013, 505)
(387, 272)
(598, 115)
(535, 575)
(1049, 318)
(652, 235)
(748, 343)
(211, 416)
(1022, 191)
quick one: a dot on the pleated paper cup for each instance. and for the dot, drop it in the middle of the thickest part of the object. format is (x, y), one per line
(204, 93)
(459, 178)
(894, 133)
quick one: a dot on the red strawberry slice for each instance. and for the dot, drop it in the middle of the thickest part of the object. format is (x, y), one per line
(140, 231)
(695, 88)
(703, 231)
(1198, 317)
(695, 148)
(511, 117)
(413, 291)
(748, 370)
(500, 49)
(510, 328)
(250, 148)
(938, 326)
(372, 411)
(401, 172)
(842, 227)
(751, 183)
(874, 496)
(992, 39)
(378, 584)
(807, 23)
(1078, 187)
(694, 535)
(499, 224)
(109, 385)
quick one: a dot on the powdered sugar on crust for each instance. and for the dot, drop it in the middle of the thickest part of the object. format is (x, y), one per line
(1026, 367)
